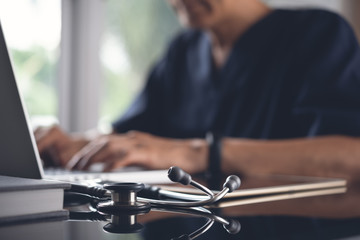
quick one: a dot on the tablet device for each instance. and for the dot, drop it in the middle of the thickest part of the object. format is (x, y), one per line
(264, 188)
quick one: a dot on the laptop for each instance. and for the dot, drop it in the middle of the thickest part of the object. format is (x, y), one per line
(19, 156)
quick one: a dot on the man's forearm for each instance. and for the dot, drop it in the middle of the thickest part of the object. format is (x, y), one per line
(330, 156)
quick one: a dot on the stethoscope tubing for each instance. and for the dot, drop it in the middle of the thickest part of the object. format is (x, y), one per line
(195, 201)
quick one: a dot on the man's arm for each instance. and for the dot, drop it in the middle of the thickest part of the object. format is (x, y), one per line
(329, 156)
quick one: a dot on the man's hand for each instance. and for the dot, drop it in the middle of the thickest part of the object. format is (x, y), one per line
(56, 148)
(142, 149)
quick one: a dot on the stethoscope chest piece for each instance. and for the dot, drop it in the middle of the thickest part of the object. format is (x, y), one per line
(124, 199)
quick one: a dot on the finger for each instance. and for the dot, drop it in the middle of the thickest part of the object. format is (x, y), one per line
(138, 158)
(117, 146)
(40, 132)
(75, 159)
(55, 157)
(109, 166)
(49, 137)
(83, 159)
(48, 160)
(117, 164)
(88, 160)
(104, 155)
(45, 143)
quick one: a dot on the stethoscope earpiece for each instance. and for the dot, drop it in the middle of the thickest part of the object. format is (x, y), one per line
(178, 175)
(233, 227)
(232, 182)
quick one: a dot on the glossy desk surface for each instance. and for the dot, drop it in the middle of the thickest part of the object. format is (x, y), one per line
(320, 217)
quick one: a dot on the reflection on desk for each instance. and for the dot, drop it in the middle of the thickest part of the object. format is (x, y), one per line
(172, 227)
(320, 217)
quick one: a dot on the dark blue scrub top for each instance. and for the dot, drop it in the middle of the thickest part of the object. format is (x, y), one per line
(295, 73)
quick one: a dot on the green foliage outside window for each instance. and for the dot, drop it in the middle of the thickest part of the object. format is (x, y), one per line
(142, 28)
(35, 74)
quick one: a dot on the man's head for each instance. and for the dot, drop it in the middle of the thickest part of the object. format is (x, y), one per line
(201, 13)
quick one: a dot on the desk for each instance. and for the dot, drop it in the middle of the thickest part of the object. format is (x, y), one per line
(321, 217)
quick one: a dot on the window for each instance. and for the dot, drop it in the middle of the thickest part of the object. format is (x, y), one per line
(136, 35)
(32, 30)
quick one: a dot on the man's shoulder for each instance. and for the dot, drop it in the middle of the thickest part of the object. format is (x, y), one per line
(315, 19)
(315, 27)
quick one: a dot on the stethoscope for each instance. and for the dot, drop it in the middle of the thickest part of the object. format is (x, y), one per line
(122, 197)
(119, 204)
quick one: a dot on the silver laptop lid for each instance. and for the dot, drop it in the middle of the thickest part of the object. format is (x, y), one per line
(18, 152)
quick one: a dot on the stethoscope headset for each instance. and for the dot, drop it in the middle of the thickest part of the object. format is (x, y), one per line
(121, 201)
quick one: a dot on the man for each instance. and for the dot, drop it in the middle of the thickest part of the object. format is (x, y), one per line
(264, 80)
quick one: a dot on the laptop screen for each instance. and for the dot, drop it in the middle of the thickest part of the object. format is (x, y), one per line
(18, 152)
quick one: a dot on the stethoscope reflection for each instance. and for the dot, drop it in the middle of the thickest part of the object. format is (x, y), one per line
(125, 223)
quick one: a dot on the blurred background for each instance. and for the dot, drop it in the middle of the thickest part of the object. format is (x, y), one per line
(80, 63)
